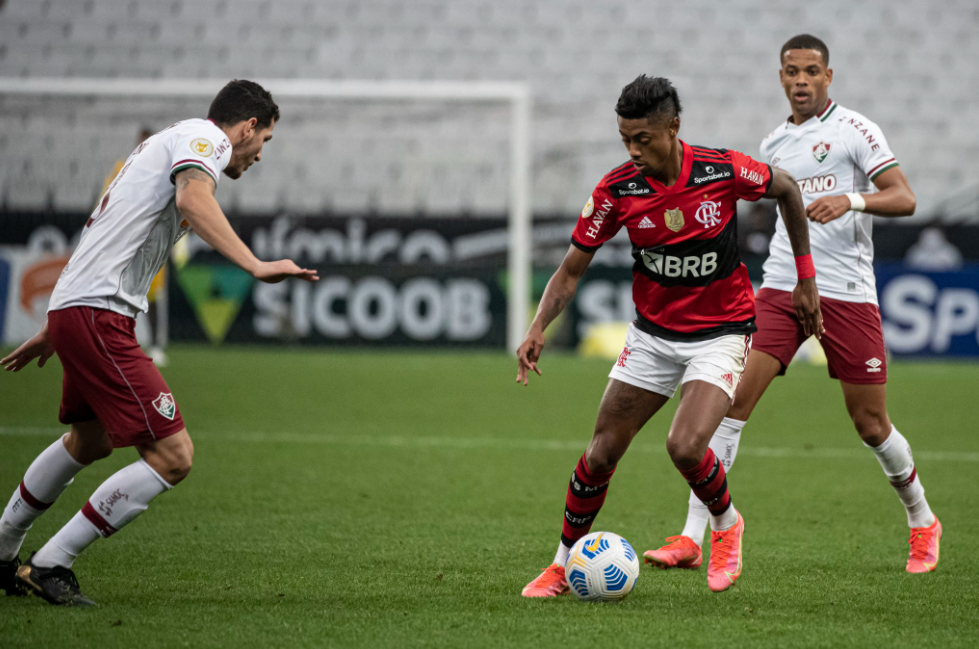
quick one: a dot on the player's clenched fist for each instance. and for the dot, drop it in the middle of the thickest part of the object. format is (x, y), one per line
(805, 299)
(828, 208)
(528, 354)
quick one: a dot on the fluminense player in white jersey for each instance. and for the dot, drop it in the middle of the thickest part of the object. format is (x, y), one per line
(846, 172)
(112, 394)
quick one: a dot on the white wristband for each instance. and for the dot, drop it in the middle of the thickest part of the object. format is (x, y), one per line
(857, 204)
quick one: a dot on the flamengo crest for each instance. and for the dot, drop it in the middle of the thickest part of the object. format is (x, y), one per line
(709, 213)
(165, 405)
(623, 357)
(673, 219)
(820, 151)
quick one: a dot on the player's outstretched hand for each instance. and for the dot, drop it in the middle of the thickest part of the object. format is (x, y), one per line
(528, 354)
(805, 299)
(273, 272)
(828, 208)
(38, 347)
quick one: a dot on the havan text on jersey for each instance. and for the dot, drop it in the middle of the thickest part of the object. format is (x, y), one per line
(688, 279)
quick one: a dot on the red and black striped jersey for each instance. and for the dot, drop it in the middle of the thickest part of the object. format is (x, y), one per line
(688, 279)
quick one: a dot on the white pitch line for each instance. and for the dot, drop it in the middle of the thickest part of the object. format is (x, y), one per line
(507, 444)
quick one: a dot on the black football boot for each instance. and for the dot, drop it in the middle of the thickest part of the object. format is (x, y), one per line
(57, 585)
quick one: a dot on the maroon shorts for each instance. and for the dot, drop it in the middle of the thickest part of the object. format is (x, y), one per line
(109, 378)
(853, 342)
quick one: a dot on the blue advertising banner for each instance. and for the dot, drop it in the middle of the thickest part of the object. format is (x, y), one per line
(929, 313)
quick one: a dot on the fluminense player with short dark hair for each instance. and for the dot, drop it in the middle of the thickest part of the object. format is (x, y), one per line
(112, 394)
(838, 157)
(694, 311)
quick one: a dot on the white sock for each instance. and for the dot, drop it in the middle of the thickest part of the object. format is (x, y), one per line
(895, 458)
(49, 474)
(725, 521)
(724, 443)
(697, 519)
(117, 501)
(562, 553)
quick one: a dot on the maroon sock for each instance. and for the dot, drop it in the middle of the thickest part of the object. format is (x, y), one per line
(586, 495)
(709, 483)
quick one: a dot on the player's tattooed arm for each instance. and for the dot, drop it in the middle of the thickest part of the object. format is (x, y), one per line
(190, 175)
(196, 203)
(560, 290)
(805, 297)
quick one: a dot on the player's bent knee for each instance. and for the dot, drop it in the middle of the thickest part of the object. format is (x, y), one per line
(174, 468)
(740, 410)
(97, 449)
(604, 452)
(88, 443)
(684, 451)
(600, 460)
(872, 427)
(171, 457)
(181, 463)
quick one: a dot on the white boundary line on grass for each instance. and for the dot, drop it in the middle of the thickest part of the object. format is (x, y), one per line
(395, 441)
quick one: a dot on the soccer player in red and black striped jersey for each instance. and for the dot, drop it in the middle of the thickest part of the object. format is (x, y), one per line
(694, 310)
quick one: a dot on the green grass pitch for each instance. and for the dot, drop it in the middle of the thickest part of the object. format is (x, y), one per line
(351, 499)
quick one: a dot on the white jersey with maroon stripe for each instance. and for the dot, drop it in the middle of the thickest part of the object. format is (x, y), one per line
(133, 228)
(835, 152)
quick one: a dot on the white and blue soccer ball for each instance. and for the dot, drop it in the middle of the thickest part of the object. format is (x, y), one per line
(602, 567)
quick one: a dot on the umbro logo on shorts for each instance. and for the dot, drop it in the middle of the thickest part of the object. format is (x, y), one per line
(874, 365)
(165, 405)
(646, 223)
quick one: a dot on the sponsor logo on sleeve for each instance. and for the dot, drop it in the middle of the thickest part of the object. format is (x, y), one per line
(864, 131)
(599, 219)
(820, 151)
(221, 148)
(201, 147)
(709, 214)
(752, 176)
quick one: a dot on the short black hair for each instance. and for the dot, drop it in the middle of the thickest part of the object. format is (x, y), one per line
(648, 97)
(241, 100)
(805, 42)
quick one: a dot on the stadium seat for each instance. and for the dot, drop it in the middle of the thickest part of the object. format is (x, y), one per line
(576, 56)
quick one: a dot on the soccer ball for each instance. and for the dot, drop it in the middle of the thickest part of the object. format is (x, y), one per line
(602, 567)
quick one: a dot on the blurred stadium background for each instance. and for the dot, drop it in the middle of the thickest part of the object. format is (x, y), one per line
(404, 208)
(434, 177)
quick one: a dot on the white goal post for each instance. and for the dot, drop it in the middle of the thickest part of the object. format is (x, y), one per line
(516, 95)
